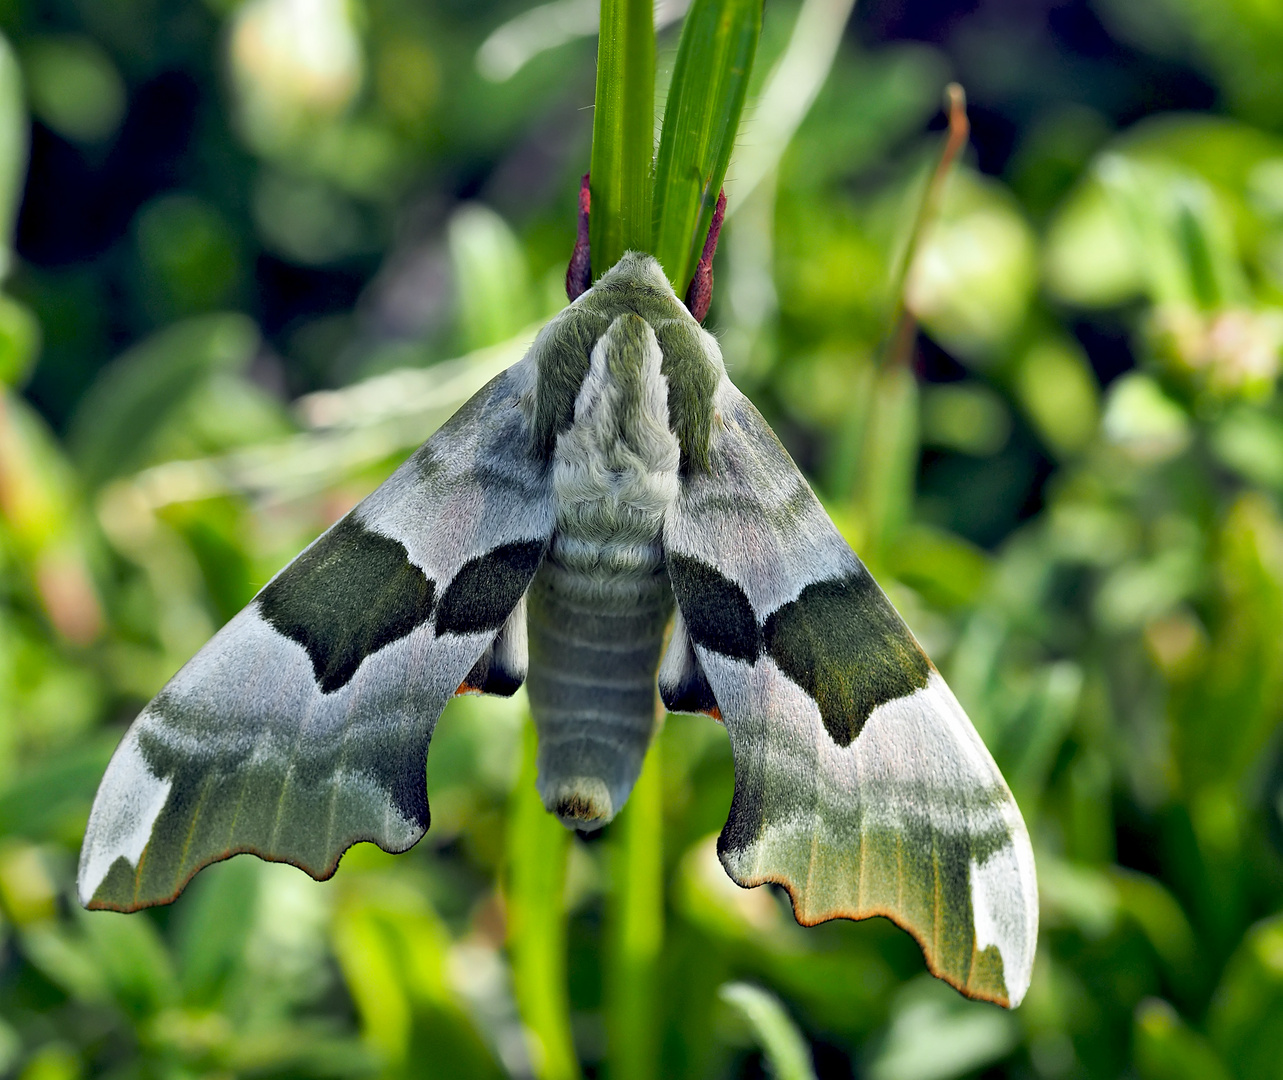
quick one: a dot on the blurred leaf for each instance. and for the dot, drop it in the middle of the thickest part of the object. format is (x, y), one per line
(132, 956)
(10, 1047)
(1180, 230)
(306, 219)
(701, 120)
(623, 133)
(140, 390)
(788, 1057)
(1168, 1049)
(711, 899)
(352, 431)
(1143, 420)
(491, 276)
(75, 88)
(393, 949)
(41, 798)
(802, 121)
(1058, 390)
(293, 68)
(1241, 41)
(1084, 897)
(546, 26)
(213, 926)
(190, 254)
(13, 150)
(1090, 258)
(636, 927)
(975, 269)
(53, 1061)
(19, 341)
(935, 1034)
(885, 477)
(946, 569)
(66, 962)
(1243, 673)
(1250, 441)
(965, 416)
(38, 493)
(1029, 749)
(1165, 924)
(536, 857)
(1246, 1018)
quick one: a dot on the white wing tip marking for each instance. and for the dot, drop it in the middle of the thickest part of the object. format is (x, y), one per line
(125, 810)
(1004, 904)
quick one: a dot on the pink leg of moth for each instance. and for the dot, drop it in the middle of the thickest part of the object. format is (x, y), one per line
(579, 272)
(700, 293)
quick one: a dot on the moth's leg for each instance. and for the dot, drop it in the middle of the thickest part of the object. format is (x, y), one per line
(579, 272)
(700, 293)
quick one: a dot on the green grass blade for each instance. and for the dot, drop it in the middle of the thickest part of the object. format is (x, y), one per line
(622, 133)
(537, 849)
(636, 928)
(710, 79)
(783, 1045)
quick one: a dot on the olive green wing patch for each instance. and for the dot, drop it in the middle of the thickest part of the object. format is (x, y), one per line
(860, 784)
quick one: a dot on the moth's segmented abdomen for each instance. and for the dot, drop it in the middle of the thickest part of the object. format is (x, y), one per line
(594, 650)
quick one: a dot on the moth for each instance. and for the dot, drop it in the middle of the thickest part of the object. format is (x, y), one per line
(607, 516)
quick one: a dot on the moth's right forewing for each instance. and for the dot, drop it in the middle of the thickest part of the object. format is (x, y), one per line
(303, 726)
(860, 784)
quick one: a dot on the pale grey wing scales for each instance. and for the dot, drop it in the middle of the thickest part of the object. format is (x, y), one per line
(302, 727)
(860, 784)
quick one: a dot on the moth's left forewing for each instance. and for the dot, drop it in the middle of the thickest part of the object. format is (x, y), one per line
(302, 727)
(860, 784)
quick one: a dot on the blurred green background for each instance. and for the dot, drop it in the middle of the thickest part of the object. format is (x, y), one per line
(254, 252)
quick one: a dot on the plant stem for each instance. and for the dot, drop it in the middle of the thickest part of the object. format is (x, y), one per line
(537, 847)
(623, 133)
(636, 928)
(903, 324)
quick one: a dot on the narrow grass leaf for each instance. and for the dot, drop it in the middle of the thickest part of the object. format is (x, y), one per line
(783, 1045)
(623, 133)
(537, 848)
(705, 99)
(636, 928)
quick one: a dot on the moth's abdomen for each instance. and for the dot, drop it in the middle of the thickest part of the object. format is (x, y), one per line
(599, 603)
(594, 648)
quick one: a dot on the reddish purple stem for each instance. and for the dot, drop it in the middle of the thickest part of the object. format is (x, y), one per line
(579, 272)
(700, 293)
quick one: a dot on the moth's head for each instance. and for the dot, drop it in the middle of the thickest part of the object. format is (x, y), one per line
(637, 269)
(638, 283)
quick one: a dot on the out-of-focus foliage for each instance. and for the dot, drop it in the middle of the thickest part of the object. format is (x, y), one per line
(262, 248)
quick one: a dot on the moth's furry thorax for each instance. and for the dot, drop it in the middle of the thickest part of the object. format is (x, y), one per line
(690, 360)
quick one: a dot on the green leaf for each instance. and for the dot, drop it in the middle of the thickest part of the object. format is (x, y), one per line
(784, 1047)
(137, 392)
(636, 927)
(132, 956)
(537, 851)
(13, 148)
(705, 99)
(623, 133)
(38, 800)
(1246, 1018)
(19, 341)
(393, 949)
(1167, 1048)
(213, 927)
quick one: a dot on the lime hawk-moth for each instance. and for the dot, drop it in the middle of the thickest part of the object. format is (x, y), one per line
(607, 493)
